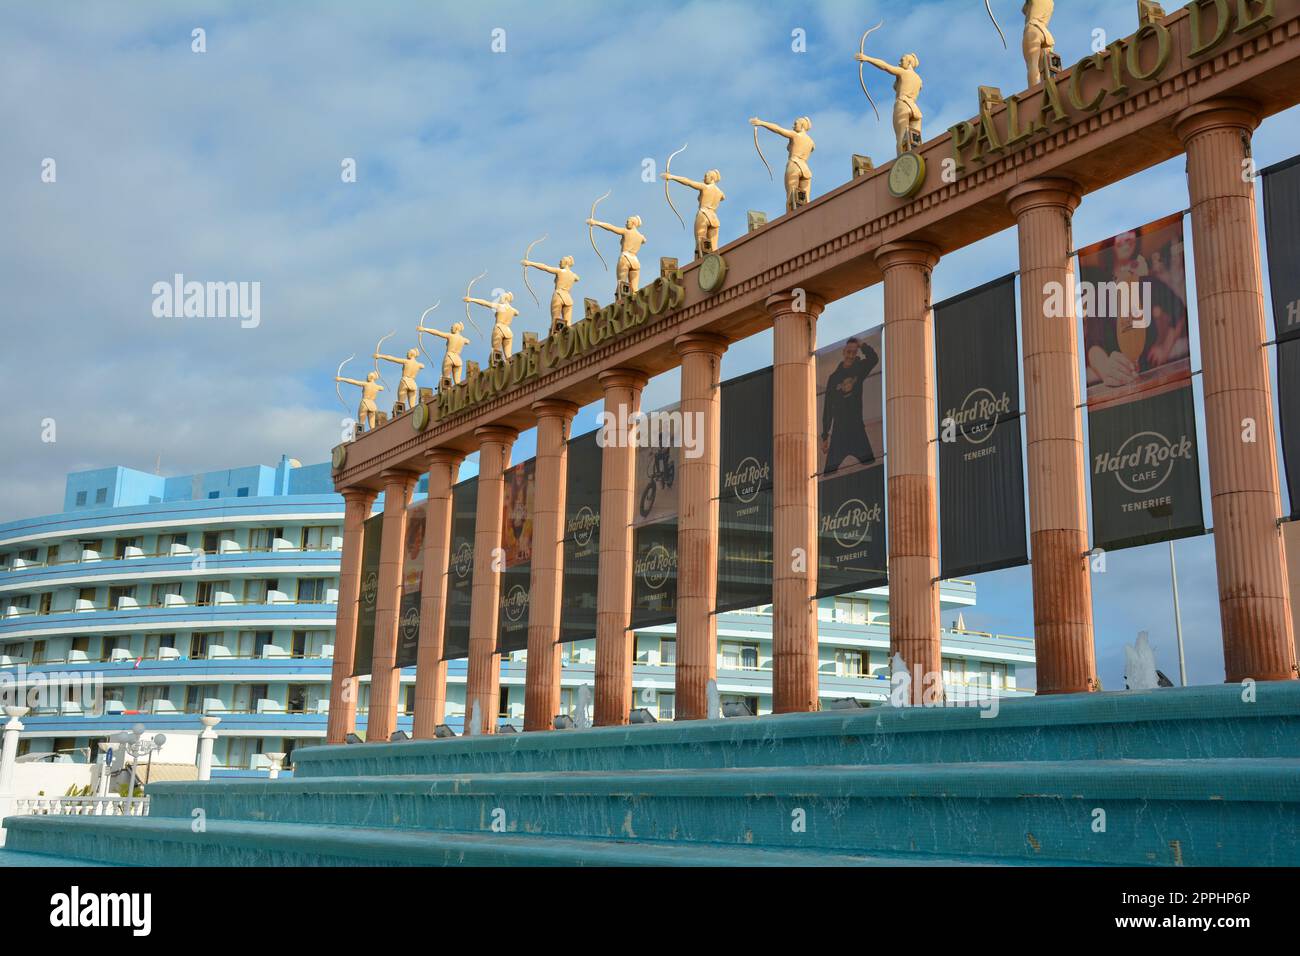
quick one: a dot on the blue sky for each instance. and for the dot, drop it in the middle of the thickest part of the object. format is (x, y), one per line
(225, 166)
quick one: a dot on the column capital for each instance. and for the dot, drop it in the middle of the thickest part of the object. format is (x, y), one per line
(707, 342)
(1228, 111)
(554, 408)
(784, 303)
(623, 378)
(1054, 192)
(907, 252)
(359, 495)
(399, 475)
(496, 434)
(443, 456)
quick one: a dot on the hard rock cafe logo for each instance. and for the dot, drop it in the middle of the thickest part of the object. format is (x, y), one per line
(1144, 462)
(463, 560)
(370, 589)
(411, 623)
(747, 478)
(583, 525)
(655, 566)
(516, 604)
(977, 419)
(851, 522)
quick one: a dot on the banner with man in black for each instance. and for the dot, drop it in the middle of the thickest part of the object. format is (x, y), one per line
(1282, 236)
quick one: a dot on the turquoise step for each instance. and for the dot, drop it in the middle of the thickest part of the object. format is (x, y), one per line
(150, 841)
(1193, 722)
(19, 859)
(1222, 812)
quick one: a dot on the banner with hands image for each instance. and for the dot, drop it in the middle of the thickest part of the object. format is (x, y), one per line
(517, 548)
(851, 547)
(981, 477)
(1145, 468)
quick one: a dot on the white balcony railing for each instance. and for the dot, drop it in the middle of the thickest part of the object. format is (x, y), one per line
(82, 806)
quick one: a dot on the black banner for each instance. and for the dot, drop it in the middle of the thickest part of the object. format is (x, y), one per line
(517, 543)
(581, 539)
(745, 492)
(460, 569)
(1146, 477)
(981, 481)
(851, 548)
(372, 542)
(408, 627)
(1282, 236)
(660, 436)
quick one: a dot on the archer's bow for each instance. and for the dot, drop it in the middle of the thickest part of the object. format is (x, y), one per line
(760, 153)
(998, 26)
(527, 255)
(469, 318)
(378, 373)
(337, 373)
(419, 332)
(591, 235)
(862, 48)
(668, 168)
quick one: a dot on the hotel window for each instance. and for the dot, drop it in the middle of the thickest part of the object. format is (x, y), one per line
(297, 699)
(665, 704)
(258, 692)
(165, 541)
(109, 644)
(152, 642)
(954, 670)
(196, 694)
(996, 675)
(13, 650)
(101, 496)
(241, 493)
(199, 644)
(205, 592)
(47, 599)
(255, 592)
(317, 537)
(408, 699)
(115, 693)
(121, 544)
(81, 644)
(92, 544)
(116, 593)
(159, 591)
(260, 640)
(668, 651)
(38, 652)
(311, 590)
(52, 554)
(81, 499)
(878, 663)
(214, 494)
(848, 663)
(738, 656)
(504, 709)
(151, 692)
(261, 539)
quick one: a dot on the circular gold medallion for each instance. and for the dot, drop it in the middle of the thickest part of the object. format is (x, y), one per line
(712, 272)
(339, 456)
(907, 175)
(420, 417)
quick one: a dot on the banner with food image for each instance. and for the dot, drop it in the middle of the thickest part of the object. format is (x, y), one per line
(852, 553)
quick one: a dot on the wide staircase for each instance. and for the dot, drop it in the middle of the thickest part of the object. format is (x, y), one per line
(1196, 776)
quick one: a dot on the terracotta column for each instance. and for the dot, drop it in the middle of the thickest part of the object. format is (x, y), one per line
(794, 500)
(430, 668)
(483, 682)
(384, 682)
(910, 433)
(614, 586)
(357, 503)
(697, 527)
(542, 680)
(1254, 600)
(1058, 507)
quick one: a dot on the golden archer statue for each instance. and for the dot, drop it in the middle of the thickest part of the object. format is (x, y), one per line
(629, 266)
(706, 220)
(502, 336)
(367, 411)
(798, 174)
(408, 392)
(1038, 42)
(907, 86)
(452, 363)
(562, 297)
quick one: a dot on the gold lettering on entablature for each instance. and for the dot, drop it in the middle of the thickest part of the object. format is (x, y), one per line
(666, 294)
(1248, 14)
(1093, 81)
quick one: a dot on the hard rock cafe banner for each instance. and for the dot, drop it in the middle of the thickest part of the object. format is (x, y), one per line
(371, 542)
(659, 438)
(1282, 234)
(581, 539)
(408, 627)
(1146, 479)
(850, 466)
(517, 545)
(745, 492)
(981, 481)
(460, 569)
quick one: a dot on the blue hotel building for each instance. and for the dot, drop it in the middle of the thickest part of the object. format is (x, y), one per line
(216, 593)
